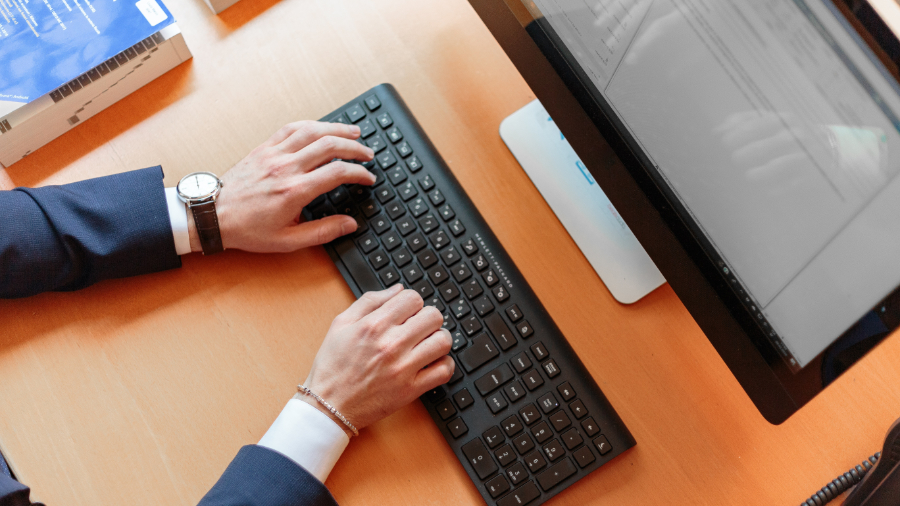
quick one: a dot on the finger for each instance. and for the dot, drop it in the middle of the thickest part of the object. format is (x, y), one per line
(310, 131)
(370, 301)
(437, 373)
(287, 130)
(761, 151)
(421, 325)
(329, 147)
(315, 232)
(396, 311)
(334, 174)
(431, 348)
(780, 170)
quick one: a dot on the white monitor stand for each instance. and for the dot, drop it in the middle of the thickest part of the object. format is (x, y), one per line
(580, 204)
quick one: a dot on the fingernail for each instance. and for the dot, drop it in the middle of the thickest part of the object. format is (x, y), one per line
(396, 288)
(354, 130)
(348, 226)
(371, 153)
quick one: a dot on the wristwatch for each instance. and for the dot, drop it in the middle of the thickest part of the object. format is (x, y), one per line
(200, 191)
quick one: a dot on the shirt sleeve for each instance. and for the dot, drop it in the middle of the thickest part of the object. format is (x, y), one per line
(307, 436)
(178, 219)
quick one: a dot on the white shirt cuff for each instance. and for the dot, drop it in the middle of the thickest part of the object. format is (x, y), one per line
(307, 436)
(179, 222)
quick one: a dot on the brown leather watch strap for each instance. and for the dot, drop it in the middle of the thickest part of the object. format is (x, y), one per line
(207, 222)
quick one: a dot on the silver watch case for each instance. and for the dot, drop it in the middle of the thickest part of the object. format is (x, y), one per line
(202, 199)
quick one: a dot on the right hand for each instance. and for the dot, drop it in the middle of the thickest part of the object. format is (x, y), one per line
(379, 355)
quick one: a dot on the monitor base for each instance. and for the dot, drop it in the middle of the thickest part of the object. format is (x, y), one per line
(580, 204)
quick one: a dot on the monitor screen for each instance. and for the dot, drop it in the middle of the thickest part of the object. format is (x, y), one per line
(775, 128)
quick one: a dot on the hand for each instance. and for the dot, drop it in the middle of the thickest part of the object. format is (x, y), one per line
(262, 196)
(379, 355)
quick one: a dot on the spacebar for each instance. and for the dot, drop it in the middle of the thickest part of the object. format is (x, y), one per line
(356, 265)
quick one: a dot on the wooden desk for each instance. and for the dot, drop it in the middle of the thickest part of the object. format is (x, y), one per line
(140, 391)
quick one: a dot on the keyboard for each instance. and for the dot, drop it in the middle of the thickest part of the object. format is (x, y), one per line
(521, 412)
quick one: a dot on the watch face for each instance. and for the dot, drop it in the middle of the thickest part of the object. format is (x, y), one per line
(199, 185)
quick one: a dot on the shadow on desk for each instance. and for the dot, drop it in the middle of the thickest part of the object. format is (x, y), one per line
(240, 13)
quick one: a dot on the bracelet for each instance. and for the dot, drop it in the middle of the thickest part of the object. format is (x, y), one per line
(303, 389)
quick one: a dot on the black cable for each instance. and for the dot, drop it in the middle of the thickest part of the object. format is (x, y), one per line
(843, 482)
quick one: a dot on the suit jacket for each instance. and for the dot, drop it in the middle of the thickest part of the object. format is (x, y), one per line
(61, 238)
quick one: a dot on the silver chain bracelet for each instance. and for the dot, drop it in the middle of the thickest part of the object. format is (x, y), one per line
(303, 389)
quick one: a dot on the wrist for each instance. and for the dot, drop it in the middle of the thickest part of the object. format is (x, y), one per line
(312, 402)
(194, 236)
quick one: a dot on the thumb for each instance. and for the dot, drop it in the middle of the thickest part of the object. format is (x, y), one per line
(313, 233)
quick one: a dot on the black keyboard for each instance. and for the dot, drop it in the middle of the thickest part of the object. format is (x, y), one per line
(521, 412)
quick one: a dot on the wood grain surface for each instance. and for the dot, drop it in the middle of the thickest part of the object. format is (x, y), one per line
(141, 391)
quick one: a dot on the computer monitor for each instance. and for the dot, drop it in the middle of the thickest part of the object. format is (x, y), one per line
(760, 143)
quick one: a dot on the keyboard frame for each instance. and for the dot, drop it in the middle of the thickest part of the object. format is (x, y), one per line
(478, 417)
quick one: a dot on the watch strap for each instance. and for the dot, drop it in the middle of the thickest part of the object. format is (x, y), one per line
(207, 222)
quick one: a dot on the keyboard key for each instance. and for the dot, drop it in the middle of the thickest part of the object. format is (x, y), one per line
(493, 436)
(428, 258)
(384, 120)
(514, 391)
(513, 313)
(480, 353)
(389, 276)
(457, 228)
(554, 450)
(524, 329)
(470, 247)
(457, 374)
(516, 473)
(471, 326)
(529, 413)
(461, 272)
(404, 149)
(449, 323)
(493, 379)
(490, 277)
(539, 351)
(521, 362)
(424, 288)
(450, 256)
(418, 207)
(377, 143)
(339, 194)
(406, 226)
(500, 293)
(496, 403)
(572, 439)
(414, 164)
(584, 456)
(512, 426)
(391, 240)
(445, 409)
(542, 432)
(521, 496)
(500, 331)
(457, 428)
(416, 241)
(480, 264)
(532, 379)
(497, 486)
(436, 198)
(384, 194)
(428, 223)
(401, 257)
(366, 129)
(394, 135)
(372, 102)
(566, 391)
(448, 290)
(590, 426)
(479, 458)
(407, 191)
(559, 420)
(396, 175)
(386, 160)
(379, 259)
(460, 308)
(355, 113)
(483, 305)
(463, 398)
(436, 302)
(437, 275)
(505, 455)
(548, 402)
(550, 368)
(523, 444)
(556, 474)
(459, 340)
(426, 183)
(359, 192)
(369, 207)
(439, 239)
(578, 409)
(472, 289)
(602, 445)
(446, 212)
(367, 243)
(535, 461)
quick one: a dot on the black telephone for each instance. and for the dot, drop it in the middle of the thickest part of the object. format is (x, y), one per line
(881, 485)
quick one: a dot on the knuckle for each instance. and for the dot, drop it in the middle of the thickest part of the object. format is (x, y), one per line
(307, 129)
(328, 143)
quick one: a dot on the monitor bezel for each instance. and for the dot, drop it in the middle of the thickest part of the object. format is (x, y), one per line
(653, 215)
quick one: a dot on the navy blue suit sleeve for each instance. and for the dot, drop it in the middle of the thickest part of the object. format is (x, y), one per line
(62, 238)
(259, 476)
(13, 493)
